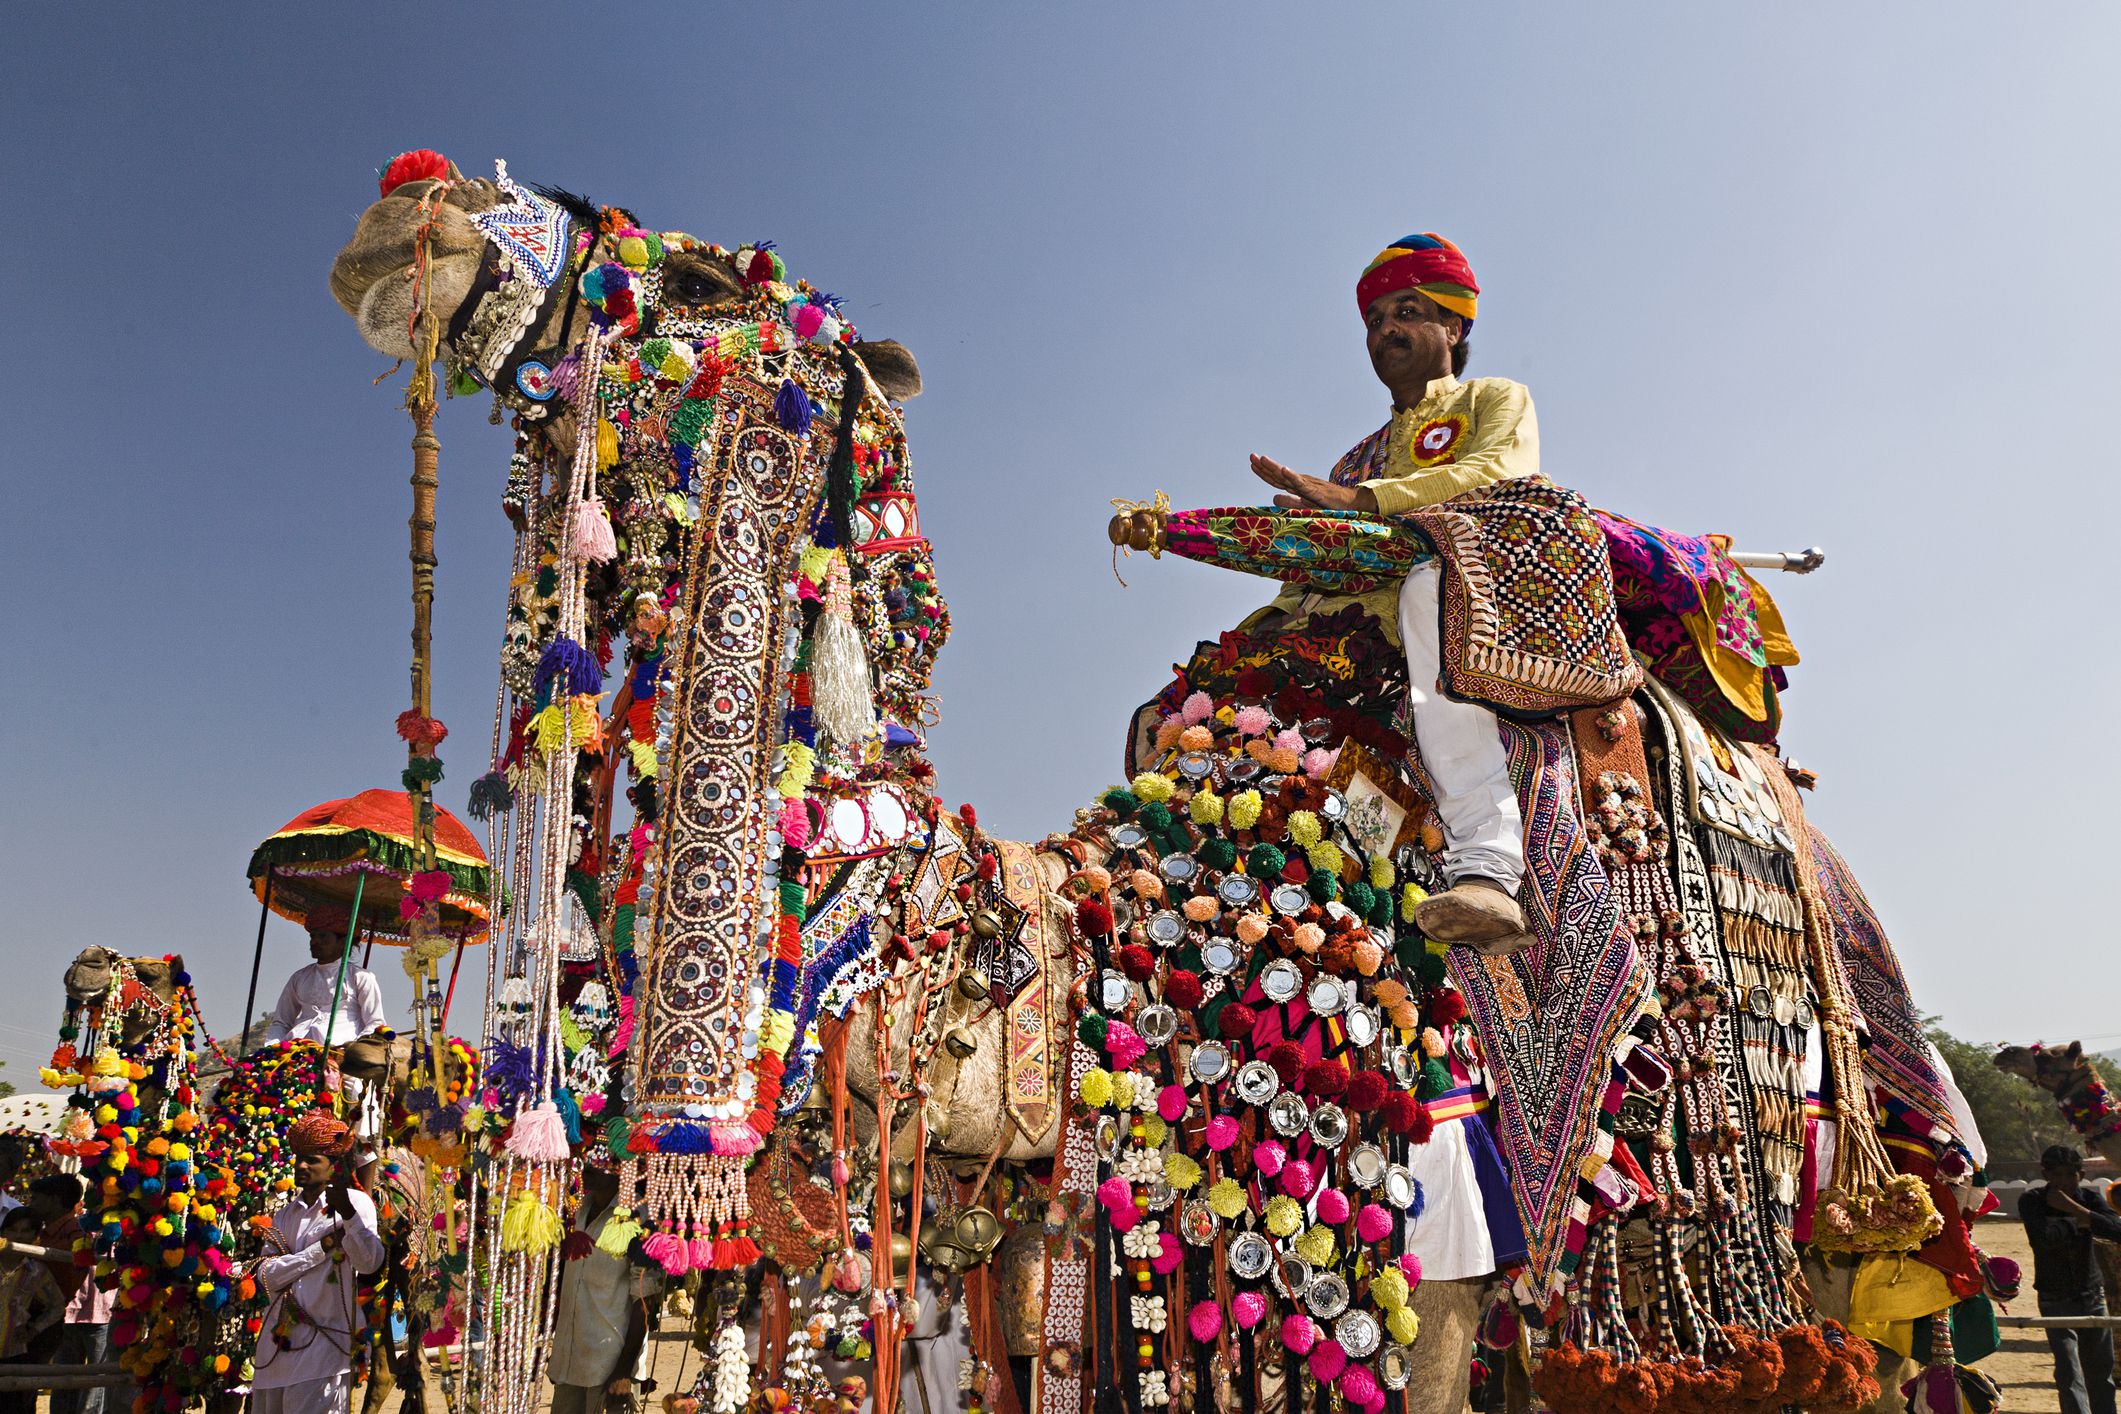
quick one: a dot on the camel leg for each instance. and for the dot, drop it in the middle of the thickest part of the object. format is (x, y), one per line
(1449, 1312)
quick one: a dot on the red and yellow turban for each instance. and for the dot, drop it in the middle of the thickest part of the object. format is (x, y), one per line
(320, 1132)
(1428, 263)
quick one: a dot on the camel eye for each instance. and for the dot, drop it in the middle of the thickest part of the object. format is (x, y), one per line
(694, 287)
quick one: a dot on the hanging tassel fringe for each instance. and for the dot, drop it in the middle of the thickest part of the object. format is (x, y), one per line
(530, 1225)
(669, 1251)
(540, 1134)
(619, 1232)
(843, 704)
(593, 538)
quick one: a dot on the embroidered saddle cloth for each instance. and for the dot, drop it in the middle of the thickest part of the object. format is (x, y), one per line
(1529, 624)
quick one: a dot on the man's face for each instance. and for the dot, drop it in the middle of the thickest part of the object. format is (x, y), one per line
(47, 1207)
(599, 1187)
(326, 944)
(1408, 333)
(2064, 1176)
(314, 1170)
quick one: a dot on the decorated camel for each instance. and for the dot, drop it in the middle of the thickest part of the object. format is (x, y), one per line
(815, 1017)
(2066, 1073)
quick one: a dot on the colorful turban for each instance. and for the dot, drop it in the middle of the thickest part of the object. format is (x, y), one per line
(1428, 263)
(320, 1132)
(329, 918)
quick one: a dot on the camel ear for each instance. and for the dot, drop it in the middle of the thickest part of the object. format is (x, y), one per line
(892, 367)
(2075, 1051)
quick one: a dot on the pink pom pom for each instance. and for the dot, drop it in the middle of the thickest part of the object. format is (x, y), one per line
(1267, 1157)
(1251, 721)
(1410, 1268)
(807, 320)
(1332, 1206)
(1288, 740)
(1168, 1254)
(1205, 1321)
(1171, 1103)
(1298, 1334)
(1222, 1133)
(1247, 1307)
(1374, 1224)
(1297, 1180)
(1199, 707)
(1328, 1359)
(1124, 1044)
(795, 824)
(1359, 1386)
(1318, 761)
(1123, 1219)
(1116, 1193)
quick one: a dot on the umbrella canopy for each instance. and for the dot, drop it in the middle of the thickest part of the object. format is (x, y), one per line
(316, 858)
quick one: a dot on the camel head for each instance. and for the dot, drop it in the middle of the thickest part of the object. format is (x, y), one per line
(2053, 1069)
(501, 267)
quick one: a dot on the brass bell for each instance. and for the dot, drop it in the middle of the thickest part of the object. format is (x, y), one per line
(901, 1251)
(977, 1231)
(987, 924)
(938, 1251)
(972, 984)
(960, 1042)
(901, 1179)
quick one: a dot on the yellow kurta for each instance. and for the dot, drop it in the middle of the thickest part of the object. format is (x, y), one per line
(1458, 437)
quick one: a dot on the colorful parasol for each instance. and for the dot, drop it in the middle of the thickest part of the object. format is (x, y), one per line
(320, 856)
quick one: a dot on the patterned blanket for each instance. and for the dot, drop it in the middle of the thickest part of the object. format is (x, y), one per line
(1708, 629)
(1550, 1017)
(1898, 1059)
(1529, 626)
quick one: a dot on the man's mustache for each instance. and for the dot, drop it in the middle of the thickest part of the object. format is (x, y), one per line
(1394, 341)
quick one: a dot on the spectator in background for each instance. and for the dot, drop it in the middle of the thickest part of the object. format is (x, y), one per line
(14, 1153)
(84, 1335)
(2063, 1216)
(30, 1305)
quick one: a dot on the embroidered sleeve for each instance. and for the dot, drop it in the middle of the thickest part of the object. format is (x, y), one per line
(1448, 456)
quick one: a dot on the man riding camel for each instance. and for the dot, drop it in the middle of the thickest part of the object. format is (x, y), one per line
(334, 1001)
(1445, 438)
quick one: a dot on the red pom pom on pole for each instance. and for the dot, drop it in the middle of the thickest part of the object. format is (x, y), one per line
(1446, 1006)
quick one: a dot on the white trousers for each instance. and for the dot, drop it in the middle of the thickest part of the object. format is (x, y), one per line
(1461, 749)
(326, 1396)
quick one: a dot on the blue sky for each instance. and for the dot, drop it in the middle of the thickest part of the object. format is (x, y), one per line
(1804, 275)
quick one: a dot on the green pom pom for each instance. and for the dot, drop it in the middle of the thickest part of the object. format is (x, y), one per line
(1177, 839)
(1432, 968)
(1155, 817)
(1361, 897)
(615, 1131)
(1264, 861)
(1092, 1031)
(794, 899)
(1121, 801)
(422, 770)
(1324, 887)
(1409, 951)
(1435, 1079)
(1218, 854)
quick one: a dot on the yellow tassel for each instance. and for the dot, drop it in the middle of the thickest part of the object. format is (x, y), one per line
(620, 1230)
(643, 760)
(529, 1226)
(607, 444)
(588, 722)
(549, 728)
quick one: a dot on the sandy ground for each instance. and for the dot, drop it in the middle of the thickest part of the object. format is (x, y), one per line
(2022, 1368)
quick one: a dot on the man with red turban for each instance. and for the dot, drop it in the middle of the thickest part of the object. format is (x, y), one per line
(1445, 438)
(321, 1242)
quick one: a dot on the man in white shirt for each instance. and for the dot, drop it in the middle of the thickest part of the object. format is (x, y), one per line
(602, 1320)
(319, 1246)
(305, 1009)
(305, 1013)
